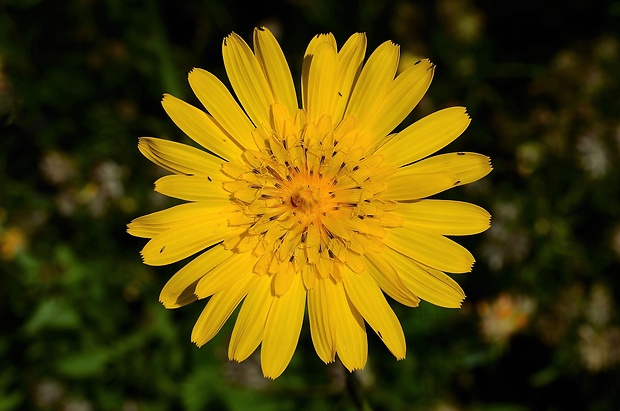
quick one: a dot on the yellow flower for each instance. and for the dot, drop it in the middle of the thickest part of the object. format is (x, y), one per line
(319, 204)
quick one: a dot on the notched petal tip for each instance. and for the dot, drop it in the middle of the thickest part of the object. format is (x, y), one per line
(231, 37)
(467, 113)
(269, 377)
(167, 305)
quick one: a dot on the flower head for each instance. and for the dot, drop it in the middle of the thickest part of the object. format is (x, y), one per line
(317, 205)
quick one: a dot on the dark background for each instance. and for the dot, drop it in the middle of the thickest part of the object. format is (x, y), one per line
(80, 325)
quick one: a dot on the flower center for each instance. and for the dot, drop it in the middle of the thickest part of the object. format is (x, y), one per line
(307, 198)
(307, 202)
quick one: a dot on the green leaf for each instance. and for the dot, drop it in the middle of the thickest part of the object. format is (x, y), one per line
(52, 314)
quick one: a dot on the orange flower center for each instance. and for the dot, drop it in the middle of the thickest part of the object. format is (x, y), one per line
(308, 198)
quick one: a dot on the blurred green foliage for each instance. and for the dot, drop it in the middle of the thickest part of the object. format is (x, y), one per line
(81, 328)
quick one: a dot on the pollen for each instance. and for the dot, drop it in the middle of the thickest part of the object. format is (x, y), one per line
(308, 198)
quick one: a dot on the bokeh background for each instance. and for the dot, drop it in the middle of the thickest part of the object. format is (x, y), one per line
(81, 328)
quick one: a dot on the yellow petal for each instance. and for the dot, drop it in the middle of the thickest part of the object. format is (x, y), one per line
(200, 127)
(350, 59)
(218, 101)
(408, 184)
(225, 274)
(445, 217)
(283, 279)
(317, 41)
(193, 188)
(180, 158)
(404, 94)
(148, 226)
(336, 223)
(367, 297)
(322, 323)
(322, 87)
(219, 308)
(351, 341)
(425, 136)
(308, 56)
(467, 167)
(429, 284)
(373, 84)
(282, 329)
(247, 79)
(179, 290)
(250, 324)
(387, 278)
(430, 249)
(184, 240)
(276, 69)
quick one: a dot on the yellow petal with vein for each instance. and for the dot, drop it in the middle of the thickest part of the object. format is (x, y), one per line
(180, 289)
(148, 226)
(219, 308)
(225, 274)
(429, 284)
(387, 278)
(404, 94)
(250, 325)
(283, 279)
(350, 59)
(425, 136)
(406, 184)
(200, 127)
(193, 188)
(337, 224)
(218, 101)
(180, 242)
(247, 79)
(367, 297)
(467, 167)
(445, 217)
(276, 69)
(373, 84)
(282, 329)
(305, 69)
(180, 158)
(351, 341)
(320, 313)
(322, 83)
(430, 249)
